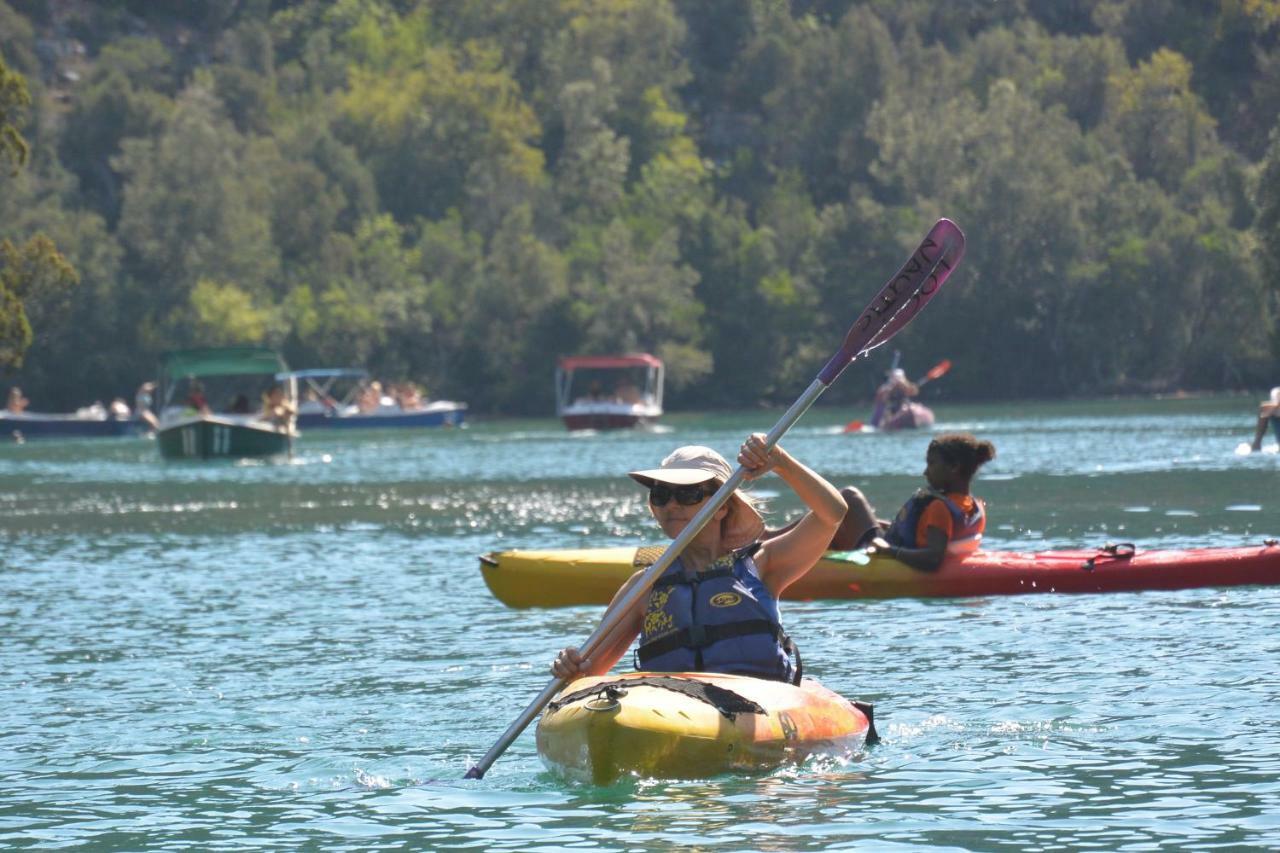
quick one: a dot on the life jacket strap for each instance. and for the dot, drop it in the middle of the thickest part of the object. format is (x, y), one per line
(699, 636)
(676, 579)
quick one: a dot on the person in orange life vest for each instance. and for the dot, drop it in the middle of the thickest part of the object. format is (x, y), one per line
(942, 519)
(957, 518)
(684, 623)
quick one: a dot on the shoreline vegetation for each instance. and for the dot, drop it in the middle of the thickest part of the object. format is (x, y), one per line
(457, 192)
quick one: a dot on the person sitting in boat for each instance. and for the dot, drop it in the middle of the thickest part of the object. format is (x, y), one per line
(17, 401)
(944, 518)
(408, 397)
(119, 409)
(595, 393)
(715, 609)
(627, 392)
(1268, 411)
(894, 392)
(196, 398)
(277, 409)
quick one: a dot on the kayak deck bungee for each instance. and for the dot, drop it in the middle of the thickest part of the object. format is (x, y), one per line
(592, 576)
(693, 725)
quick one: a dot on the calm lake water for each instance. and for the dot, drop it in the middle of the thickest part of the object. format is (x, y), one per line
(303, 654)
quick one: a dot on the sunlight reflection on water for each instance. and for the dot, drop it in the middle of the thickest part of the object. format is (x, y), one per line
(285, 655)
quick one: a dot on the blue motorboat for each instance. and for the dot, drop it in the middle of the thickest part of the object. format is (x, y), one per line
(90, 422)
(341, 398)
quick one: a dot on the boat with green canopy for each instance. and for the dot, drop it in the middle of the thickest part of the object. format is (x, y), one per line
(207, 409)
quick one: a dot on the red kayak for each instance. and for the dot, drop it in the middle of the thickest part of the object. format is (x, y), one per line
(592, 576)
(1112, 568)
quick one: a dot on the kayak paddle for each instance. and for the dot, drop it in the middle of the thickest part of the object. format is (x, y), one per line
(939, 369)
(893, 307)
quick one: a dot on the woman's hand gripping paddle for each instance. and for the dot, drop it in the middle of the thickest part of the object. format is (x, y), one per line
(893, 307)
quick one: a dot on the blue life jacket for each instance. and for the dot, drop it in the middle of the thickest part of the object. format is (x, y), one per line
(722, 619)
(966, 528)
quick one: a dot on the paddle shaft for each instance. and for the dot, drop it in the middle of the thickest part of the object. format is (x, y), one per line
(893, 308)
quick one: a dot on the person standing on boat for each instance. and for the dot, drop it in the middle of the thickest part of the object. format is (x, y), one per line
(715, 609)
(18, 402)
(144, 404)
(1268, 412)
(277, 409)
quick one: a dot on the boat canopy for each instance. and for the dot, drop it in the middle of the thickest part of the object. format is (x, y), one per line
(641, 359)
(222, 361)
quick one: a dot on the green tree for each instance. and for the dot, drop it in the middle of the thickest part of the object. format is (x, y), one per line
(195, 207)
(1158, 120)
(591, 172)
(515, 318)
(641, 42)
(442, 126)
(128, 94)
(14, 101)
(35, 279)
(1267, 228)
(35, 285)
(636, 295)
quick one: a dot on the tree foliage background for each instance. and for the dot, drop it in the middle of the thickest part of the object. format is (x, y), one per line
(459, 191)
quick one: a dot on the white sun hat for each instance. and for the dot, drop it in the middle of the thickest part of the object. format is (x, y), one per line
(693, 464)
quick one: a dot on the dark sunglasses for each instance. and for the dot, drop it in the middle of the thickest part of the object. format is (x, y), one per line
(660, 494)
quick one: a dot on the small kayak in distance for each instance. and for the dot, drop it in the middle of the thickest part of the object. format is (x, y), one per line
(592, 576)
(693, 725)
(910, 416)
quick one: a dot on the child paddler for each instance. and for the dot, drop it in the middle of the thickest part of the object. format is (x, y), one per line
(944, 518)
(715, 609)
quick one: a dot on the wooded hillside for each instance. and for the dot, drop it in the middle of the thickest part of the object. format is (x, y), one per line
(458, 191)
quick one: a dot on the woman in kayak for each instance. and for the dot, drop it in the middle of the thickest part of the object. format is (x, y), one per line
(942, 519)
(715, 609)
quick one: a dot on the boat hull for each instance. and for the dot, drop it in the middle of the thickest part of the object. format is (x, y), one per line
(66, 426)
(910, 416)
(442, 417)
(592, 576)
(216, 438)
(602, 729)
(603, 421)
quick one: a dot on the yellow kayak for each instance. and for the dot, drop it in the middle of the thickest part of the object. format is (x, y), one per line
(563, 578)
(693, 725)
(566, 578)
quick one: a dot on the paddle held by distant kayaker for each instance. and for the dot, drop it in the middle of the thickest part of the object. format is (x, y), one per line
(715, 609)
